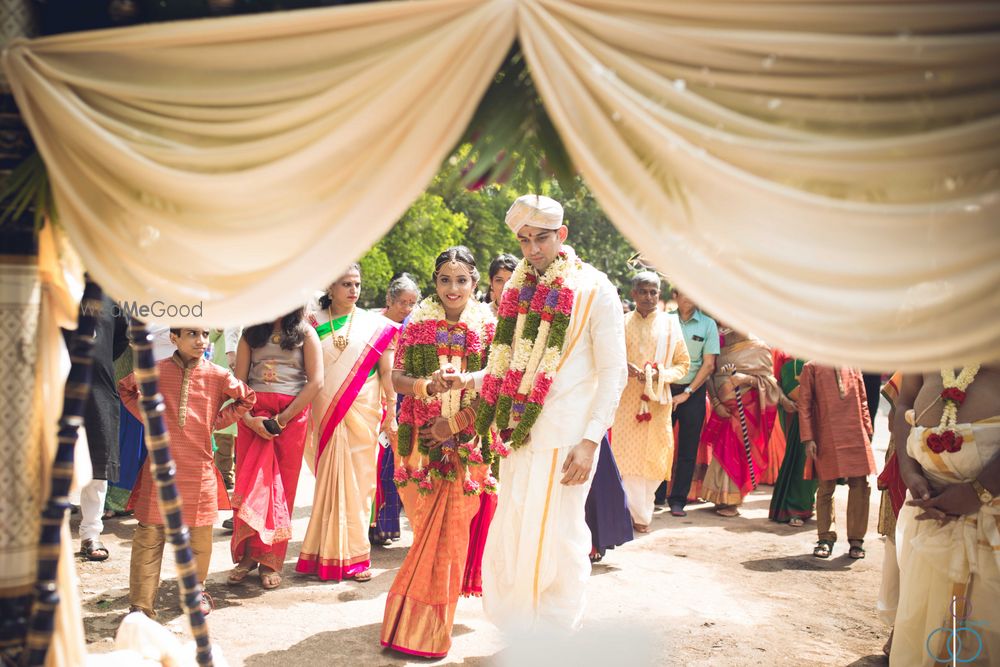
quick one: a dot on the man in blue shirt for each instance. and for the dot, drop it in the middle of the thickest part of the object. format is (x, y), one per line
(702, 337)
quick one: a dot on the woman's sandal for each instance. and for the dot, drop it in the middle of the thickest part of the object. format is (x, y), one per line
(728, 511)
(363, 576)
(270, 580)
(823, 549)
(857, 552)
(240, 572)
(796, 522)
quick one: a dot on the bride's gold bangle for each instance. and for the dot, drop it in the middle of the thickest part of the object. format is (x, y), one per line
(420, 388)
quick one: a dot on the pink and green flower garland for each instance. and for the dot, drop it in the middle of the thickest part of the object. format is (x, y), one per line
(533, 318)
(427, 343)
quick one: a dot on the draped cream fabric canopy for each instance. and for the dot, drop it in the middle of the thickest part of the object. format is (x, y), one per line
(825, 174)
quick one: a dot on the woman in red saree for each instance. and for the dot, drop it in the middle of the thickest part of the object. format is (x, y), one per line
(346, 419)
(440, 464)
(282, 361)
(744, 394)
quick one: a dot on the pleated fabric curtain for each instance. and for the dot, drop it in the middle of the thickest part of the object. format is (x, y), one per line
(243, 162)
(823, 174)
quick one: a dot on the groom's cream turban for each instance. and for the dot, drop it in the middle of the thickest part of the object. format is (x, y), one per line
(536, 211)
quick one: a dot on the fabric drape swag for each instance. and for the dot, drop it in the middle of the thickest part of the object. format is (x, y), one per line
(825, 176)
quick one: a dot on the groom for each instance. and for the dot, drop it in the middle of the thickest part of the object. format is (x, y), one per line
(556, 372)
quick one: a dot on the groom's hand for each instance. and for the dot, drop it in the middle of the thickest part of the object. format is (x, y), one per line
(954, 501)
(576, 469)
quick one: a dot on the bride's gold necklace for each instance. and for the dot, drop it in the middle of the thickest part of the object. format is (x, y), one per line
(340, 342)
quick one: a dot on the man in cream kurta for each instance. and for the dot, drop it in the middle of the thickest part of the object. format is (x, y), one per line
(642, 438)
(535, 567)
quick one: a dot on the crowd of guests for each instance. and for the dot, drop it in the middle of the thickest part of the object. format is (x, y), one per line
(413, 407)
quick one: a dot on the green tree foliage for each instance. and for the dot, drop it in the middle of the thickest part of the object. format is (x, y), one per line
(486, 236)
(427, 228)
(593, 236)
(450, 214)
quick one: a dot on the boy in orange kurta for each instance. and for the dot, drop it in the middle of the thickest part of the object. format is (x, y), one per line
(836, 429)
(194, 392)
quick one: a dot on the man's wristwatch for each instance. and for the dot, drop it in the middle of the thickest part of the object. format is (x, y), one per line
(687, 389)
(985, 497)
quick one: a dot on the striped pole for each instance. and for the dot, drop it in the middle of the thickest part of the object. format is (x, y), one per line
(81, 352)
(163, 470)
(747, 447)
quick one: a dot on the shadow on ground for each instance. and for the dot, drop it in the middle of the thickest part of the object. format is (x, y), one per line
(802, 562)
(351, 646)
(105, 612)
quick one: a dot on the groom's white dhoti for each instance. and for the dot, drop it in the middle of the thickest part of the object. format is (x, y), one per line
(949, 599)
(535, 566)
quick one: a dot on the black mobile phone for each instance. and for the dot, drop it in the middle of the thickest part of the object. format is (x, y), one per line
(272, 426)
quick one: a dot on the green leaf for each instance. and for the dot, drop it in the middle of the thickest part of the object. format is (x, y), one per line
(27, 188)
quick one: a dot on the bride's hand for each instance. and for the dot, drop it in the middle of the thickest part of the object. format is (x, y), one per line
(438, 431)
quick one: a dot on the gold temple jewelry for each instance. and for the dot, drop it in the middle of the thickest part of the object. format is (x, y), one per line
(276, 338)
(341, 342)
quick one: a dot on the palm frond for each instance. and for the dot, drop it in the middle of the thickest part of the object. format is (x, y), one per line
(511, 137)
(27, 189)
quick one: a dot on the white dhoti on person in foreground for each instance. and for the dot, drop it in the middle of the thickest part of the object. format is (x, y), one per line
(556, 371)
(950, 573)
(535, 569)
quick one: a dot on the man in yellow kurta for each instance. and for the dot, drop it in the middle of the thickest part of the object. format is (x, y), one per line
(642, 437)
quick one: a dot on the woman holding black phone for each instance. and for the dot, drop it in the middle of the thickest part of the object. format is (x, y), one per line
(283, 362)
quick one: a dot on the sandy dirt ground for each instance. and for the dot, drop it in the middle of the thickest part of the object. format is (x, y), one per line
(702, 590)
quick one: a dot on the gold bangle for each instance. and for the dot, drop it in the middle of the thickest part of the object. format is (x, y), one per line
(420, 388)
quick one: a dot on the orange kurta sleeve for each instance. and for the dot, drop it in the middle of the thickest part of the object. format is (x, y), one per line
(807, 426)
(863, 393)
(243, 399)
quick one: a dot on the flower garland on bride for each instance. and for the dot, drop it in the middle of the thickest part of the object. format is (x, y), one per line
(533, 317)
(430, 343)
